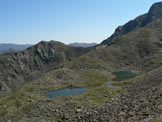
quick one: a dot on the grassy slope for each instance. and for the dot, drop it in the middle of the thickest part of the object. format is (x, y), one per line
(156, 120)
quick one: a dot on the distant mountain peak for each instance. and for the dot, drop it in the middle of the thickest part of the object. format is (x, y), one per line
(9, 47)
(156, 8)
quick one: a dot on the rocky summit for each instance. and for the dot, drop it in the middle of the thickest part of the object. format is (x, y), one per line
(154, 13)
(102, 72)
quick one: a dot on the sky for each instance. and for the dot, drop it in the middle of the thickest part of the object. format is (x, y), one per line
(30, 21)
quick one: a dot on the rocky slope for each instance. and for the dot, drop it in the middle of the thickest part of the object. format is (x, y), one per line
(154, 13)
(140, 103)
(137, 50)
(18, 68)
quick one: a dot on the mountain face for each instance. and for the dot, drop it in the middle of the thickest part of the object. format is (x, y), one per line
(82, 44)
(138, 49)
(20, 67)
(8, 48)
(154, 13)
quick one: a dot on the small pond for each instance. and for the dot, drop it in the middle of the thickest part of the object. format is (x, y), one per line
(66, 92)
(124, 74)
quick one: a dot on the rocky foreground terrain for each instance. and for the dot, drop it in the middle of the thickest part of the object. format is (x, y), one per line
(140, 103)
(26, 77)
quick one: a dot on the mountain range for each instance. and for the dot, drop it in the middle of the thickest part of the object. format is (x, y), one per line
(136, 47)
(8, 48)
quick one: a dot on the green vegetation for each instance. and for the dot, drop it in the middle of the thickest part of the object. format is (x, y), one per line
(156, 120)
(121, 83)
(102, 94)
(14, 105)
(93, 78)
(86, 62)
(145, 33)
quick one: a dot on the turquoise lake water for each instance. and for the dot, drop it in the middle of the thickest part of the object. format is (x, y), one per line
(124, 74)
(120, 75)
(66, 92)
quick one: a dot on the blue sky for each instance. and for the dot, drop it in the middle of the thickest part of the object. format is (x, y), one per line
(30, 21)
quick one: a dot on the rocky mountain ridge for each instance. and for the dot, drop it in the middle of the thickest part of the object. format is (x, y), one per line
(154, 13)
